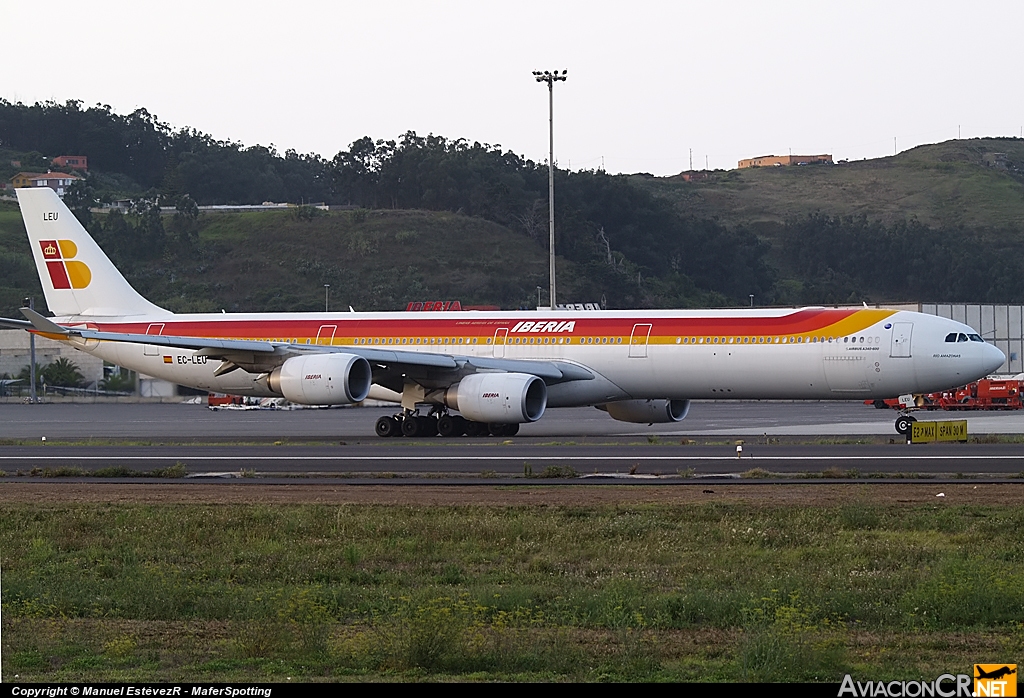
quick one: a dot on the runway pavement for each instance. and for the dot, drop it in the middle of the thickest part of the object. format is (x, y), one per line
(638, 460)
(339, 443)
(182, 421)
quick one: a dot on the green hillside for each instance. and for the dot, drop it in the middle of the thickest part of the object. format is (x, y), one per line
(373, 260)
(279, 261)
(941, 185)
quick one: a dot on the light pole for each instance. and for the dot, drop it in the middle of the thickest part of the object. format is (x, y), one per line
(327, 295)
(551, 78)
(31, 303)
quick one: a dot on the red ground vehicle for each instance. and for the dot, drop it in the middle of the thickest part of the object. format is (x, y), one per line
(986, 394)
(219, 400)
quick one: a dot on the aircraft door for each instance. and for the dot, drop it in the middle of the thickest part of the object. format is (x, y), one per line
(901, 333)
(325, 335)
(500, 339)
(152, 349)
(638, 340)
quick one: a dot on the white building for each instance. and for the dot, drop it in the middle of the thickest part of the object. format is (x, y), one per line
(14, 355)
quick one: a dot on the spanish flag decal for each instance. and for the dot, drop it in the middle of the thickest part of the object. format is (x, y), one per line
(167, 360)
(65, 272)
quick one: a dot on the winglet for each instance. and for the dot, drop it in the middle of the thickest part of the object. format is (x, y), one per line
(43, 324)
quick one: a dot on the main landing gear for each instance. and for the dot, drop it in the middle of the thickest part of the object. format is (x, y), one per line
(440, 424)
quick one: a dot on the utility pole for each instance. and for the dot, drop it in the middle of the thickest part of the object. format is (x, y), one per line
(31, 303)
(691, 159)
(327, 295)
(551, 78)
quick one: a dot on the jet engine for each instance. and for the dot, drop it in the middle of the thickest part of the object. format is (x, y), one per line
(647, 411)
(322, 379)
(499, 398)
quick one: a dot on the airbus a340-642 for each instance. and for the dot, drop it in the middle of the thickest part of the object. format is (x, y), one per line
(488, 372)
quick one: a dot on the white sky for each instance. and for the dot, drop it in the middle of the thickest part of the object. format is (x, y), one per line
(647, 80)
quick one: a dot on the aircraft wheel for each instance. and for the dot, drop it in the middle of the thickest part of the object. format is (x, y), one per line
(461, 425)
(476, 428)
(427, 426)
(446, 426)
(410, 426)
(903, 423)
(504, 429)
(386, 427)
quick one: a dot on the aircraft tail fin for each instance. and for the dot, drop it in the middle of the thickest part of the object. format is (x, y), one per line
(77, 277)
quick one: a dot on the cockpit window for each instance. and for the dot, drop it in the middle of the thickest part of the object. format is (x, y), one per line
(951, 337)
(976, 338)
(961, 337)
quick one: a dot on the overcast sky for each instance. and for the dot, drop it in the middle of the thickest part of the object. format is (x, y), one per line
(648, 81)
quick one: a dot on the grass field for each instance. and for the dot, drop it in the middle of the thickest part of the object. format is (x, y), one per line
(278, 261)
(516, 583)
(942, 185)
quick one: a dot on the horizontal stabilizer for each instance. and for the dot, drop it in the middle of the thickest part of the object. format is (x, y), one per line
(43, 324)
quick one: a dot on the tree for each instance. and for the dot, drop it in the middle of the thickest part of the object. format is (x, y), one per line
(149, 231)
(185, 225)
(81, 198)
(64, 373)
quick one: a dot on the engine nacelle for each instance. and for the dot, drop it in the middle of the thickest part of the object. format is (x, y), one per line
(499, 398)
(322, 379)
(648, 411)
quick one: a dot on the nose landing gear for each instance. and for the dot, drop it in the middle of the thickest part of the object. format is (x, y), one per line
(903, 424)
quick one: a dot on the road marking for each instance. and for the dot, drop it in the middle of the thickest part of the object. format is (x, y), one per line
(194, 457)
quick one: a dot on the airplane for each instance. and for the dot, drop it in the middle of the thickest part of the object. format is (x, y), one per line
(480, 372)
(995, 673)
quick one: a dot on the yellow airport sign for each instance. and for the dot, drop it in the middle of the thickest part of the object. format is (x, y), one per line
(949, 430)
(953, 430)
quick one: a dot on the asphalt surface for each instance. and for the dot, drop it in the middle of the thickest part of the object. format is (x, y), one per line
(339, 443)
(182, 421)
(501, 458)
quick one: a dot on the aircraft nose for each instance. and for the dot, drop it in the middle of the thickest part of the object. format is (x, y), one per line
(992, 358)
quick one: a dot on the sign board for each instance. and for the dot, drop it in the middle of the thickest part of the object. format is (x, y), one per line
(950, 430)
(953, 430)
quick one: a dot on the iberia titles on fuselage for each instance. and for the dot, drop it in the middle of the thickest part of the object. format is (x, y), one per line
(490, 366)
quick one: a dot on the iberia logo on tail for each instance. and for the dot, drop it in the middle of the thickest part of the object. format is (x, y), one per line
(65, 271)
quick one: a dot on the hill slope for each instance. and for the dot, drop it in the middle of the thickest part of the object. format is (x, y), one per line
(943, 185)
(277, 261)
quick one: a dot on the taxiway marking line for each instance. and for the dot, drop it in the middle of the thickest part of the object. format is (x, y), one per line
(517, 458)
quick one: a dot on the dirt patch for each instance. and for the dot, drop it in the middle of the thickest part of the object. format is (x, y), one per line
(519, 495)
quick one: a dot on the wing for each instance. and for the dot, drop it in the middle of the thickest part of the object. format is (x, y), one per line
(390, 367)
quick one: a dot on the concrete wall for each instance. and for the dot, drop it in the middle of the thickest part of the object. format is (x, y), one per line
(14, 352)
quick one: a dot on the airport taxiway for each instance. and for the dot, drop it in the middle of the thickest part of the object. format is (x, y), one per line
(727, 419)
(339, 443)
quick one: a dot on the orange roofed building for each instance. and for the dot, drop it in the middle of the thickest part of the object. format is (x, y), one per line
(58, 181)
(783, 160)
(79, 163)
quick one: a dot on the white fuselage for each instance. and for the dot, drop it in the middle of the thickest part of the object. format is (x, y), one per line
(725, 354)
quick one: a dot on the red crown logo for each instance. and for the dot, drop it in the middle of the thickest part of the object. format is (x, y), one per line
(64, 270)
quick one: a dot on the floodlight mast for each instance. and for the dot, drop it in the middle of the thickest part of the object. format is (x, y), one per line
(551, 78)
